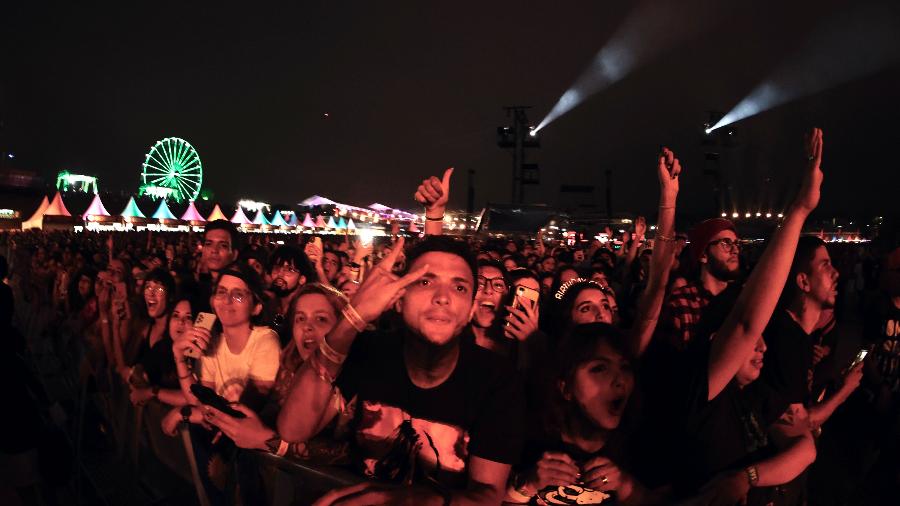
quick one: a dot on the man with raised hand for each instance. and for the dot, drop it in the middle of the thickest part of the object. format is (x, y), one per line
(434, 193)
(435, 418)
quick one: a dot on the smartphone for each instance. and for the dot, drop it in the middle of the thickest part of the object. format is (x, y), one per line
(859, 358)
(209, 397)
(525, 297)
(204, 321)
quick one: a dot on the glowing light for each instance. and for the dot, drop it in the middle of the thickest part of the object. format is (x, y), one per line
(758, 215)
(252, 205)
(780, 215)
(708, 130)
(747, 215)
(768, 215)
(172, 163)
(66, 181)
(734, 215)
(724, 215)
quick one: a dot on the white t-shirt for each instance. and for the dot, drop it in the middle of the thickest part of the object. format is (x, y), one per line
(230, 372)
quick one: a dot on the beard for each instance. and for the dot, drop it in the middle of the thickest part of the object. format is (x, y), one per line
(720, 270)
(280, 288)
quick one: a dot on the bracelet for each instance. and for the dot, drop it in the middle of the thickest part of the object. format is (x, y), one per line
(330, 354)
(189, 375)
(429, 218)
(666, 238)
(353, 318)
(667, 207)
(752, 475)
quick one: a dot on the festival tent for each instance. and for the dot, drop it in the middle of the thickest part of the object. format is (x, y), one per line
(278, 220)
(56, 207)
(351, 225)
(320, 221)
(240, 218)
(163, 212)
(37, 218)
(96, 209)
(308, 222)
(132, 210)
(292, 221)
(191, 213)
(260, 218)
(342, 224)
(331, 223)
(216, 214)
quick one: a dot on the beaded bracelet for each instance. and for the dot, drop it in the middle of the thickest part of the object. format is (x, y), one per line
(353, 318)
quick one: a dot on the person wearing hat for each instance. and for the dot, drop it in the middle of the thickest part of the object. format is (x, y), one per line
(714, 250)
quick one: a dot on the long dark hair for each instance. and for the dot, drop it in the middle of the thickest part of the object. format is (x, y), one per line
(76, 301)
(574, 349)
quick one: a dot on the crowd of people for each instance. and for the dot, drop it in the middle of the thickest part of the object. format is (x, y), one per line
(682, 368)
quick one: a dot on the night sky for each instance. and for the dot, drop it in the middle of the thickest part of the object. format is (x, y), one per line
(413, 87)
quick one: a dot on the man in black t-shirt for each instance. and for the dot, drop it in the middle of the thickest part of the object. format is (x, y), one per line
(811, 288)
(425, 405)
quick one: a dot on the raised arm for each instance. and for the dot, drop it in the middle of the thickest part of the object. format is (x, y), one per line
(434, 193)
(753, 309)
(307, 408)
(668, 170)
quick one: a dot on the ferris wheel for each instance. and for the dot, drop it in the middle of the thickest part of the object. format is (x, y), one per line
(172, 170)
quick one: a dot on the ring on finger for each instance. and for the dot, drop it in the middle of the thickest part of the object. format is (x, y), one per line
(604, 480)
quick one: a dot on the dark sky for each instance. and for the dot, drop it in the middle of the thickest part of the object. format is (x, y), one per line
(413, 87)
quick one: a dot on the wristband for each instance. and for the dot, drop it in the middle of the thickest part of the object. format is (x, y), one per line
(353, 318)
(665, 238)
(330, 354)
(429, 218)
(752, 475)
(320, 370)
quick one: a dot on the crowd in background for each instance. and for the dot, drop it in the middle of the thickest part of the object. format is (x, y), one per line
(661, 368)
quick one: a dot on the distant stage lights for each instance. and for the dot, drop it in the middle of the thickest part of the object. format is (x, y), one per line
(724, 215)
(734, 215)
(768, 215)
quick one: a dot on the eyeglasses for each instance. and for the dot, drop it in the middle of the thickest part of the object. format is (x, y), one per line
(237, 296)
(158, 290)
(287, 269)
(727, 245)
(497, 284)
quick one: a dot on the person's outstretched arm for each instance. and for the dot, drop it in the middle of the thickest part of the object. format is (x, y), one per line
(650, 303)
(744, 325)
(307, 408)
(434, 193)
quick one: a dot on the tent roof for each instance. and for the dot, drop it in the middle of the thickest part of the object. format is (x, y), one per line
(216, 214)
(308, 221)
(37, 218)
(191, 213)
(342, 224)
(132, 210)
(292, 221)
(96, 208)
(351, 225)
(240, 218)
(320, 221)
(331, 223)
(260, 218)
(163, 212)
(317, 200)
(278, 220)
(57, 207)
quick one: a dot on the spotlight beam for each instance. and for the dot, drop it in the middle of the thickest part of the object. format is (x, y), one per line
(647, 32)
(847, 47)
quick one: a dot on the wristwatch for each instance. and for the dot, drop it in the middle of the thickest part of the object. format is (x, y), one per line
(186, 414)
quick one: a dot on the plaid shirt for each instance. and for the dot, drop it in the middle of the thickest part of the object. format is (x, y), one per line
(682, 311)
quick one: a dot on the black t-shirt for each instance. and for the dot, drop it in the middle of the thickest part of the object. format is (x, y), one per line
(788, 361)
(882, 329)
(726, 433)
(478, 410)
(158, 362)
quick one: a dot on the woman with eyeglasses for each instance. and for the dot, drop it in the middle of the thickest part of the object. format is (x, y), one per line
(238, 361)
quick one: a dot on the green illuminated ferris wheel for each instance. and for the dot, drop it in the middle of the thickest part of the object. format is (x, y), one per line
(172, 170)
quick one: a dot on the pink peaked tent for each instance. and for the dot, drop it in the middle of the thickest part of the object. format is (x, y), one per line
(216, 214)
(96, 209)
(320, 222)
(57, 208)
(307, 220)
(240, 218)
(191, 214)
